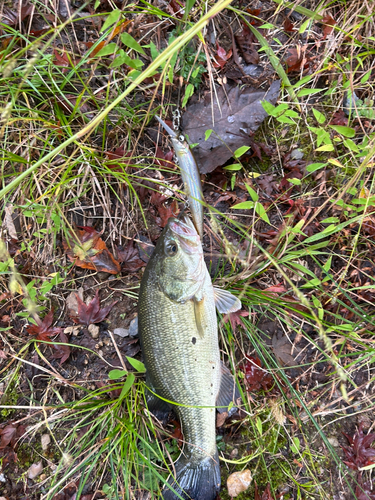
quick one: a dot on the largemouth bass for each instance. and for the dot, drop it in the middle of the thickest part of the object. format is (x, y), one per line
(179, 338)
(190, 175)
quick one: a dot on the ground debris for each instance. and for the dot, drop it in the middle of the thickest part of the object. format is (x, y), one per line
(238, 482)
(239, 114)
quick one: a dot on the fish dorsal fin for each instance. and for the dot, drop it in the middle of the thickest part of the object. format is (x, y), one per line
(226, 302)
(228, 392)
(199, 316)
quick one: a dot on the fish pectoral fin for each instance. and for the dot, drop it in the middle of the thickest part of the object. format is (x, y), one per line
(200, 316)
(228, 391)
(226, 302)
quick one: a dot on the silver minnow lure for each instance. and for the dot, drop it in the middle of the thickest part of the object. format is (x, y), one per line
(190, 176)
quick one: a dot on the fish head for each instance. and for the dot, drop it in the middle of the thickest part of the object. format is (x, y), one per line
(179, 264)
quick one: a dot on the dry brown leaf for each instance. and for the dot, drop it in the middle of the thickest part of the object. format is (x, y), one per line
(238, 482)
(8, 222)
(35, 470)
(238, 111)
(86, 249)
(282, 349)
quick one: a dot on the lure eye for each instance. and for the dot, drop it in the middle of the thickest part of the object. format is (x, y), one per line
(171, 249)
(181, 138)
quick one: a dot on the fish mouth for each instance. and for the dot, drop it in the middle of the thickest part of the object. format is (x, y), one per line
(187, 234)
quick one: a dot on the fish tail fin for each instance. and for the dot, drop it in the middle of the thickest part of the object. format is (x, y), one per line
(194, 480)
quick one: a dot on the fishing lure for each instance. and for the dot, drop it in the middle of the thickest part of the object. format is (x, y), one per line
(189, 174)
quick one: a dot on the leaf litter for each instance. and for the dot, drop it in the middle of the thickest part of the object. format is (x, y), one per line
(231, 112)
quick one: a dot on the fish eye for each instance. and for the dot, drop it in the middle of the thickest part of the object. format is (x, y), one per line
(171, 249)
(181, 138)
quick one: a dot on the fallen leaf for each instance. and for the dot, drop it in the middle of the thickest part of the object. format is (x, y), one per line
(288, 25)
(13, 17)
(235, 319)
(62, 352)
(222, 57)
(43, 330)
(238, 482)
(35, 470)
(129, 257)
(359, 453)
(274, 290)
(295, 60)
(328, 25)
(72, 302)
(245, 40)
(339, 118)
(256, 377)
(238, 110)
(364, 490)
(86, 249)
(71, 103)
(145, 247)
(177, 433)
(91, 313)
(282, 349)
(221, 418)
(164, 159)
(117, 154)
(267, 183)
(7, 435)
(165, 211)
(176, 9)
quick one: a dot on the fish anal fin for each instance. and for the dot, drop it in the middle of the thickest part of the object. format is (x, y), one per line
(225, 301)
(228, 392)
(199, 314)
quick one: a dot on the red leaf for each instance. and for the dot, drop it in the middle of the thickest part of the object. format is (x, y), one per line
(275, 289)
(129, 257)
(118, 153)
(288, 25)
(364, 491)
(165, 211)
(7, 435)
(339, 118)
(294, 60)
(177, 434)
(359, 453)
(222, 57)
(235, 319)
(328, 24)
(255, 377)
(91, 313)
(42, 330)
(176, 9)
(164, 159)
(62, 351)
